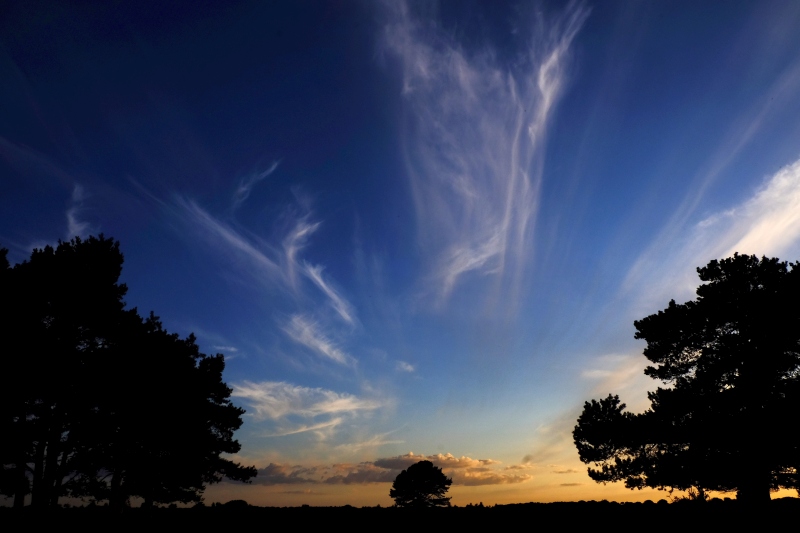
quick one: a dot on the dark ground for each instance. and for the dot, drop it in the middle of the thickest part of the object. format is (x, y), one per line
(651, 516)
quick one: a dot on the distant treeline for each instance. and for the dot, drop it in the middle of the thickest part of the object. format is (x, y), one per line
(713, 513)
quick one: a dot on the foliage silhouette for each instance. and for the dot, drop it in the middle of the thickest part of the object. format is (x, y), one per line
(421, 485)
(95, 400)
(732, 357)
(169, 454)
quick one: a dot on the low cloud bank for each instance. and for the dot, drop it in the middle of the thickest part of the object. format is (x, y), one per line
(463, 470)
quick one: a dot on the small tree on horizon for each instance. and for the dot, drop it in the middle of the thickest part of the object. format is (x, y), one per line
(421, 485)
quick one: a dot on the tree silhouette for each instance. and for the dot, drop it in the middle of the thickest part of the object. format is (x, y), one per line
(95, 401)
(732, 357)
(59, 307)
(165, 445)
(421, 485)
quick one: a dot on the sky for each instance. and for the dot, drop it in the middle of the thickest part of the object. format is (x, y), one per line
(415, 230)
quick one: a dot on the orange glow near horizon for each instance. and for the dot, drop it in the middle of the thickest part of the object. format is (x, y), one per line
(370, 495)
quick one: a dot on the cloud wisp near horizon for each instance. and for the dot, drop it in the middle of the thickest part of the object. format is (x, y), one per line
(283, 403)
(462, 470)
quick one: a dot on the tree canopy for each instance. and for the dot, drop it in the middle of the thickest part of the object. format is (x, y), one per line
(421, 485)
(727, 423)
(97, 401)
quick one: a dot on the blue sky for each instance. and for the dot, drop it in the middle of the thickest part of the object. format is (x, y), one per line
(413, 229)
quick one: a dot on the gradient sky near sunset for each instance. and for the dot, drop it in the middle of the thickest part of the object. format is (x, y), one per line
(412, 228)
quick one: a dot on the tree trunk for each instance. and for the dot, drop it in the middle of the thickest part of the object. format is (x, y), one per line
(701, 494)
(116, 501)
(37, 492)
(51, 482)
(754, 488)
(20, 483)
(58, 478)
(21, 486)
(754, 494)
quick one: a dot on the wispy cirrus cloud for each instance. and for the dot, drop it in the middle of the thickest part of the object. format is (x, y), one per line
(284, 409)
(561, 469)
(233, 349)
(276, 267)
(277, 400)
(767, 223)
(621, 373)
(75, 226)
(763, 224)
(740, 134)
(372, 442)
(307, 332)
(223, 236)
(31, 163)
(405, 367)
(475, 142)
(242, 192)
(295, 241)
(322, 429)
(339, 304)
(554, 442)
(273, 265)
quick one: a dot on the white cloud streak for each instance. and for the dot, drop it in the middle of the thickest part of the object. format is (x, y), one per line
(275, 267)
(623, 374)
(306, 332)
(475, 143)
(246, 185)
(405, 367)
(267, 263)
(740, 134)
(276, 400)
(226, 348)
(322, 429)
(767, 223)
(339, 304)
(76, 227)
(294, 242)
(222, 235)
(373, 442)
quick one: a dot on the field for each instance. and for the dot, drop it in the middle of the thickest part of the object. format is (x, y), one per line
(715, 513)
